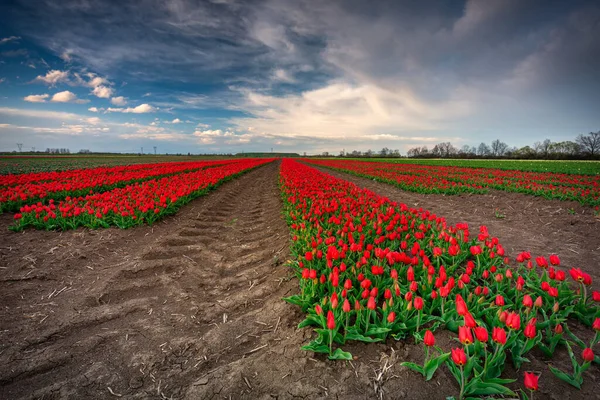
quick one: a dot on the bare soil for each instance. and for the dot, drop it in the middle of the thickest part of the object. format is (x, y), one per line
(191, 308)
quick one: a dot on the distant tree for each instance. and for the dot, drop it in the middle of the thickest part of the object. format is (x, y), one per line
(590, 143)
(543, 148)
(325, 154)
(384, 152)
(499, 148)
(566, 148)
(356, 153)
(369, 153)
(483, 150)
(424, 151)
(467, 150)
(396, 153)
(524, 152)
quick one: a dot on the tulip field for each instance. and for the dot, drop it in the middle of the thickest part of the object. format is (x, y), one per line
(451, 180)
(290, 270)
(370, 269)
(119, 196)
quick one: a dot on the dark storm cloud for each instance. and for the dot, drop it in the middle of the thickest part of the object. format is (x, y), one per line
(462, 70)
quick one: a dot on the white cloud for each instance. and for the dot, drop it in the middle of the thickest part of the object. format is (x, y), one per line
(9, 39)
(349, 112)
(103, 92)
(36, 98)
(93, 120)
(67, 97)
(2, 80)
(118, 101)
(19, 112)
(282, 75)
(175, 121)
(53, 77)
(141, 109)
(93, 109)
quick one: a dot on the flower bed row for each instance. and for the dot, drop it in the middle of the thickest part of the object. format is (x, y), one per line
(450, 180)
(135, 204)
(82, 182)
(370, 269)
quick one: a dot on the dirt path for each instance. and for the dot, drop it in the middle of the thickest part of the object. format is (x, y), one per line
(188, 309)
(524, 222)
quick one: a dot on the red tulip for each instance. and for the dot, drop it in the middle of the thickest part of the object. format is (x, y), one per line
(529, 330)
(346, 306)
(461, 306)
(596, 296)
(481, 334)
(588, 355)
(410, 274)
(418, 303)
(558, 329)
(513, 321)
(541, 262)
(531, 381)
(499, 300)
(459, 357)
(391, 317)
(330, 320)
(371, 305)
(527, 301)
(318, 309)
(469, 320)
(499, 335)
(538, 302)
(554, 260)
(464, 335)
(596, 324)
(429, 339)
(475, 250)
(308, 256)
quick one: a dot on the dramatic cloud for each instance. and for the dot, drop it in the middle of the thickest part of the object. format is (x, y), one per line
(316, 76)
(118, 101)
(36, 98)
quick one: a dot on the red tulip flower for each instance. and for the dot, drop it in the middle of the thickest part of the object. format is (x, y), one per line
(346, 306)
(464, 335)
(429, 339)
(596, 324)
(418, 303)
(499, 335)
(481, 334)
(529, 330)
(330, 320)
(459, 357)
(554, 260)
(527, 301)
(461, 306)
(371, 305)
(469, 321)
(499, 300)
(588, 355)
(531, 381)
(391, 317)
(513, 321)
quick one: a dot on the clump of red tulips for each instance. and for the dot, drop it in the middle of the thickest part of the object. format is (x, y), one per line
(370, 269)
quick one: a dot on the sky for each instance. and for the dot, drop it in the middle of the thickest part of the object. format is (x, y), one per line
(229, 76)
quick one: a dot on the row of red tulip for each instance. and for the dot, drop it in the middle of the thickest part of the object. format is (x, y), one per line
(139, 203)
(370, 268)
(450, 180)
(56, 186)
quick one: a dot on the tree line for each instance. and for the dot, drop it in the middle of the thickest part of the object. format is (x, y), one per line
(584, 147)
